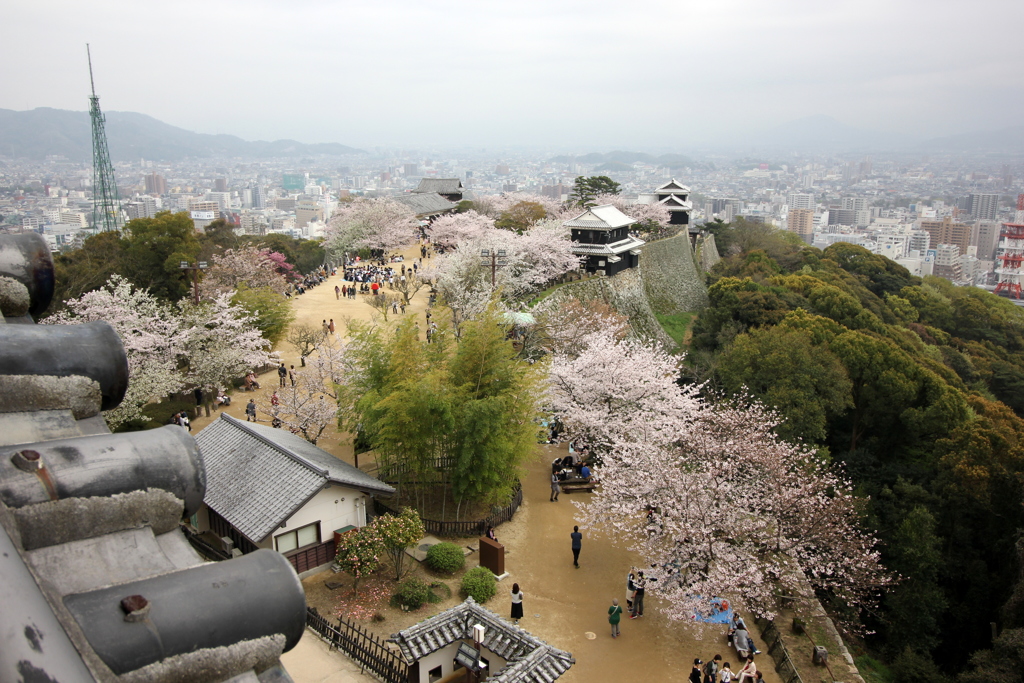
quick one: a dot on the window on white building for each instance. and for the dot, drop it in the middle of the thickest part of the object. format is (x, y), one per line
(298, 538)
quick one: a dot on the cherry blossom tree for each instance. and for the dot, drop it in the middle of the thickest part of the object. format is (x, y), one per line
(250, 266)
(449, 231)
(152, 337)
(705, 492)
(733, 511)
(495, 205)
(380, 223)
(616, 390)
(564, 325)
(220, 343)
(309, 406)
(531, 260)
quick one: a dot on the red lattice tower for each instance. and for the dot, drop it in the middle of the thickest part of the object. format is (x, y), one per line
(1011, 256)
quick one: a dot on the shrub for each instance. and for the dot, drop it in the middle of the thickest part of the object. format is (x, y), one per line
(439, 591)
(480, 584)
(446, 558)
(412, 593)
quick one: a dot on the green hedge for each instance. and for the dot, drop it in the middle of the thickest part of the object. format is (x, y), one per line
(446, 558)
(480, 584)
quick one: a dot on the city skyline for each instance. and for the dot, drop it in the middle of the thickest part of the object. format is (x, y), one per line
(596, 74)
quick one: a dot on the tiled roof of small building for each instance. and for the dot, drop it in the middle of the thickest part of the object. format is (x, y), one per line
(440, 186)
(528, 658)
(605, 217)
(673, 186)
(426, 203)
(258, 476)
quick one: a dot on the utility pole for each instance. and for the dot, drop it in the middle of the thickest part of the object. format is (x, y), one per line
(494, 255)
(201, 265)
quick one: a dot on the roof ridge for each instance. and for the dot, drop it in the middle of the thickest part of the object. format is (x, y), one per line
(281, 449)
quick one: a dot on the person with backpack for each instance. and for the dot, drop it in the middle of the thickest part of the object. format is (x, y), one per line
(711, 669)
(614, 615)
(725, 675)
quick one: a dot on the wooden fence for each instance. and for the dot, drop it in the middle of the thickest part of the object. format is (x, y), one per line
(311, 556)
(361, 646)
(777, 649)
(463, 529)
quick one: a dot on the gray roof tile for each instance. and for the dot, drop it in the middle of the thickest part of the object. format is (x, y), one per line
(257, 476)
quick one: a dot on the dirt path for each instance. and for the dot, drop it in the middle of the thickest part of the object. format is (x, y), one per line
(312, 308)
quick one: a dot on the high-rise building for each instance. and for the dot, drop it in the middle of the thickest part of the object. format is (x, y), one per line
(947, 262)
(948, 232)
(985, 236)
(801, 221)
(799, 200)
(983, 207)
(854, 203)
(259, 196)
(220, 185)
(920, 241)
(306, 211)
(156, 184)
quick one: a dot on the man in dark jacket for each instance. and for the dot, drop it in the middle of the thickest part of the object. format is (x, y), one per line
(577, 543)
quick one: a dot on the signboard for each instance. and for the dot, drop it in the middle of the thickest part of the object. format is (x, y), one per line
(203, 215)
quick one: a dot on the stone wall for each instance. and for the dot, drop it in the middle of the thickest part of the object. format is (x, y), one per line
(671, 279)
(623, 292)
(706, 253)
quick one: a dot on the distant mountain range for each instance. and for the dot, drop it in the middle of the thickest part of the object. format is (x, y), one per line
(42, 132)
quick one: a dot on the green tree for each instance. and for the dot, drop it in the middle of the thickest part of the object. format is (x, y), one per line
(520, 217)
(84, 270)
(787, 371)
(272, 311)
(497, 396)
(461, 413)
(915, 606)
(584, 189)
(153, 250)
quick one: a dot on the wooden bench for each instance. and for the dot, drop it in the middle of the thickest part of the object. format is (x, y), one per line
(570, 485)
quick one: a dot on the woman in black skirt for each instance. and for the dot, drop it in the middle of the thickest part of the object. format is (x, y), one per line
(517, 603)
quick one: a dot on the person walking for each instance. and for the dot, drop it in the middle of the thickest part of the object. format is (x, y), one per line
(517, 603)
(337, 292)
(711, 669)
(555, 488)
(614, 615)
(291, 375)
(577, 544)
(327, 328)
(638, 596)
(282, 373)
(250, 411)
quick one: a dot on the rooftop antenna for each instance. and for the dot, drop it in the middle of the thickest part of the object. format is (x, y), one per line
(106, 206)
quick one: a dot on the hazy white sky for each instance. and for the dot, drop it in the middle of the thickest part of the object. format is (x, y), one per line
(590, 73)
